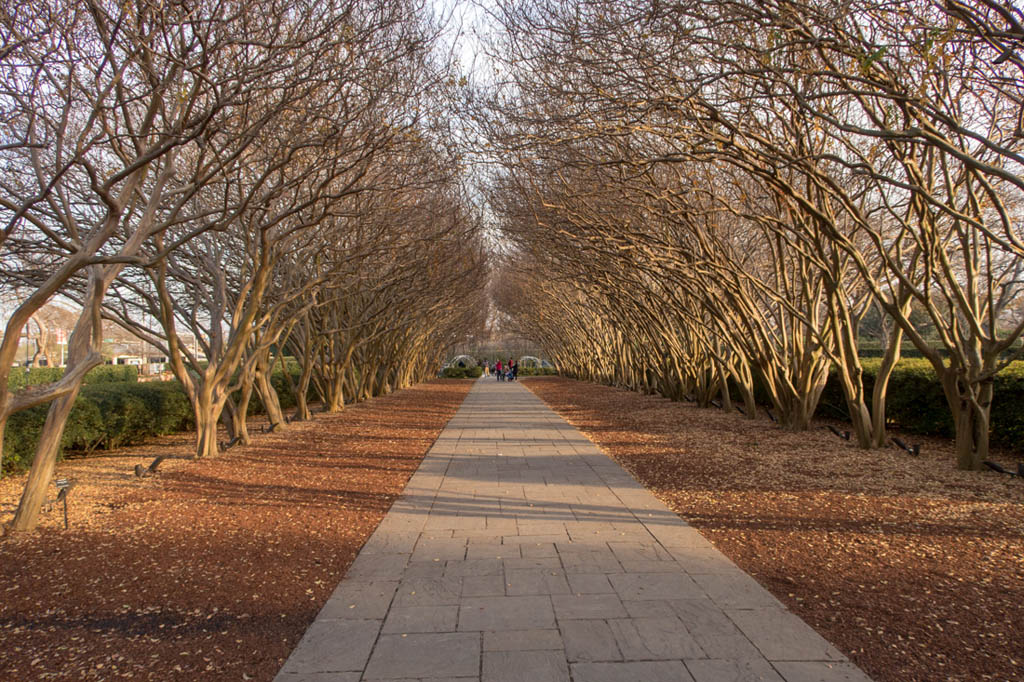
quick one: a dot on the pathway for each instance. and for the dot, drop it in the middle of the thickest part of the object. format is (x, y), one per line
(520, 552)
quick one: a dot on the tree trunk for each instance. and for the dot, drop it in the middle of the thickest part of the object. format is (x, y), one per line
(81, 358)
(239, 413)
(972, 426)
(268, 395)
(207, 416)
(749, 402)
(45, 462)
(881, 389)
(3, 428)
(302, 412)
(852, 381)
(723, 379)
(206, 436)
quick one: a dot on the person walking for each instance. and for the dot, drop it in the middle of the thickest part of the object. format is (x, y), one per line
(515, 371)
(487, 368)
(497, 371)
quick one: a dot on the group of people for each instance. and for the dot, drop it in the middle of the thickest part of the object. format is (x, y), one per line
(502, 372)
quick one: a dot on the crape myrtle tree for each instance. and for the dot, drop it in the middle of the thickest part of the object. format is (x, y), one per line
(355, 106)
(375, 327)
(105, 107)
(865, 151)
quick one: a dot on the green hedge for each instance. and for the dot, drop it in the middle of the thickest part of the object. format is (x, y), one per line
(537, 371)
(105, 415)
(916, 403)
(462, 372)
(33, 376)
(113, 410)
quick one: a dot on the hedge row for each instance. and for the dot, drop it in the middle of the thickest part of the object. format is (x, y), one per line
(476, 372)
(113, 413)
(32, 376)
(105, 415)
(537, 371)
(462, 372)
(916, 403)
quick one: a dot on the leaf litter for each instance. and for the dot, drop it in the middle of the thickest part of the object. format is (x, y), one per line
(211, 569)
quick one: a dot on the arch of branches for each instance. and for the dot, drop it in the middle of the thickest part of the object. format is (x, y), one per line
(688, 193)
(236, 185)
(710, 192)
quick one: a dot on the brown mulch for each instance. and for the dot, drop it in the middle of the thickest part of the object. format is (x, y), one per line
(913, 569)
(212, 569)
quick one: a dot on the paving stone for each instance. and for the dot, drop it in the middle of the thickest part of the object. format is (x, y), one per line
(534, 539)
(475, 678)
(458, 569)
(697, 560)
(649, 566)
(450, 654)
(425, 569)
(502, 525)
(430, 549)
(390, 542)
(576, 606)
(736, 590)
(456, 522)
(522, 640)
(535, 581)
(589, 640)
(524, 666)
(645, 639)
(333, 646)
(638, 551)
(653, 609)
(485, 547)
(377, 567)
(404, 619)
(589, 562)
(650, 586)
(716, 634)
(589, 583)
(550, 563)
(781, 636)
(539, 549)
(483, 586)
(318, 677)
(717, 670)
(676, 535)
(540, 527)
(359, 600)
(646, 671)
(505, 613)
(820, 671)
(428, 592)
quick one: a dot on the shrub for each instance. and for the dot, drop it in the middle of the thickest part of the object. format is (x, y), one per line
(916, 402)
(537, 371)
(109, 373)
(105, 415)
(454, 372)
(34, 376)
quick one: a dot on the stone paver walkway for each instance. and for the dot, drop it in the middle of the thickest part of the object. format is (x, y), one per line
(520, 552)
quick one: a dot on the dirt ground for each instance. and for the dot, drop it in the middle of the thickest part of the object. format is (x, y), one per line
(913, 569)
(208, 570)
